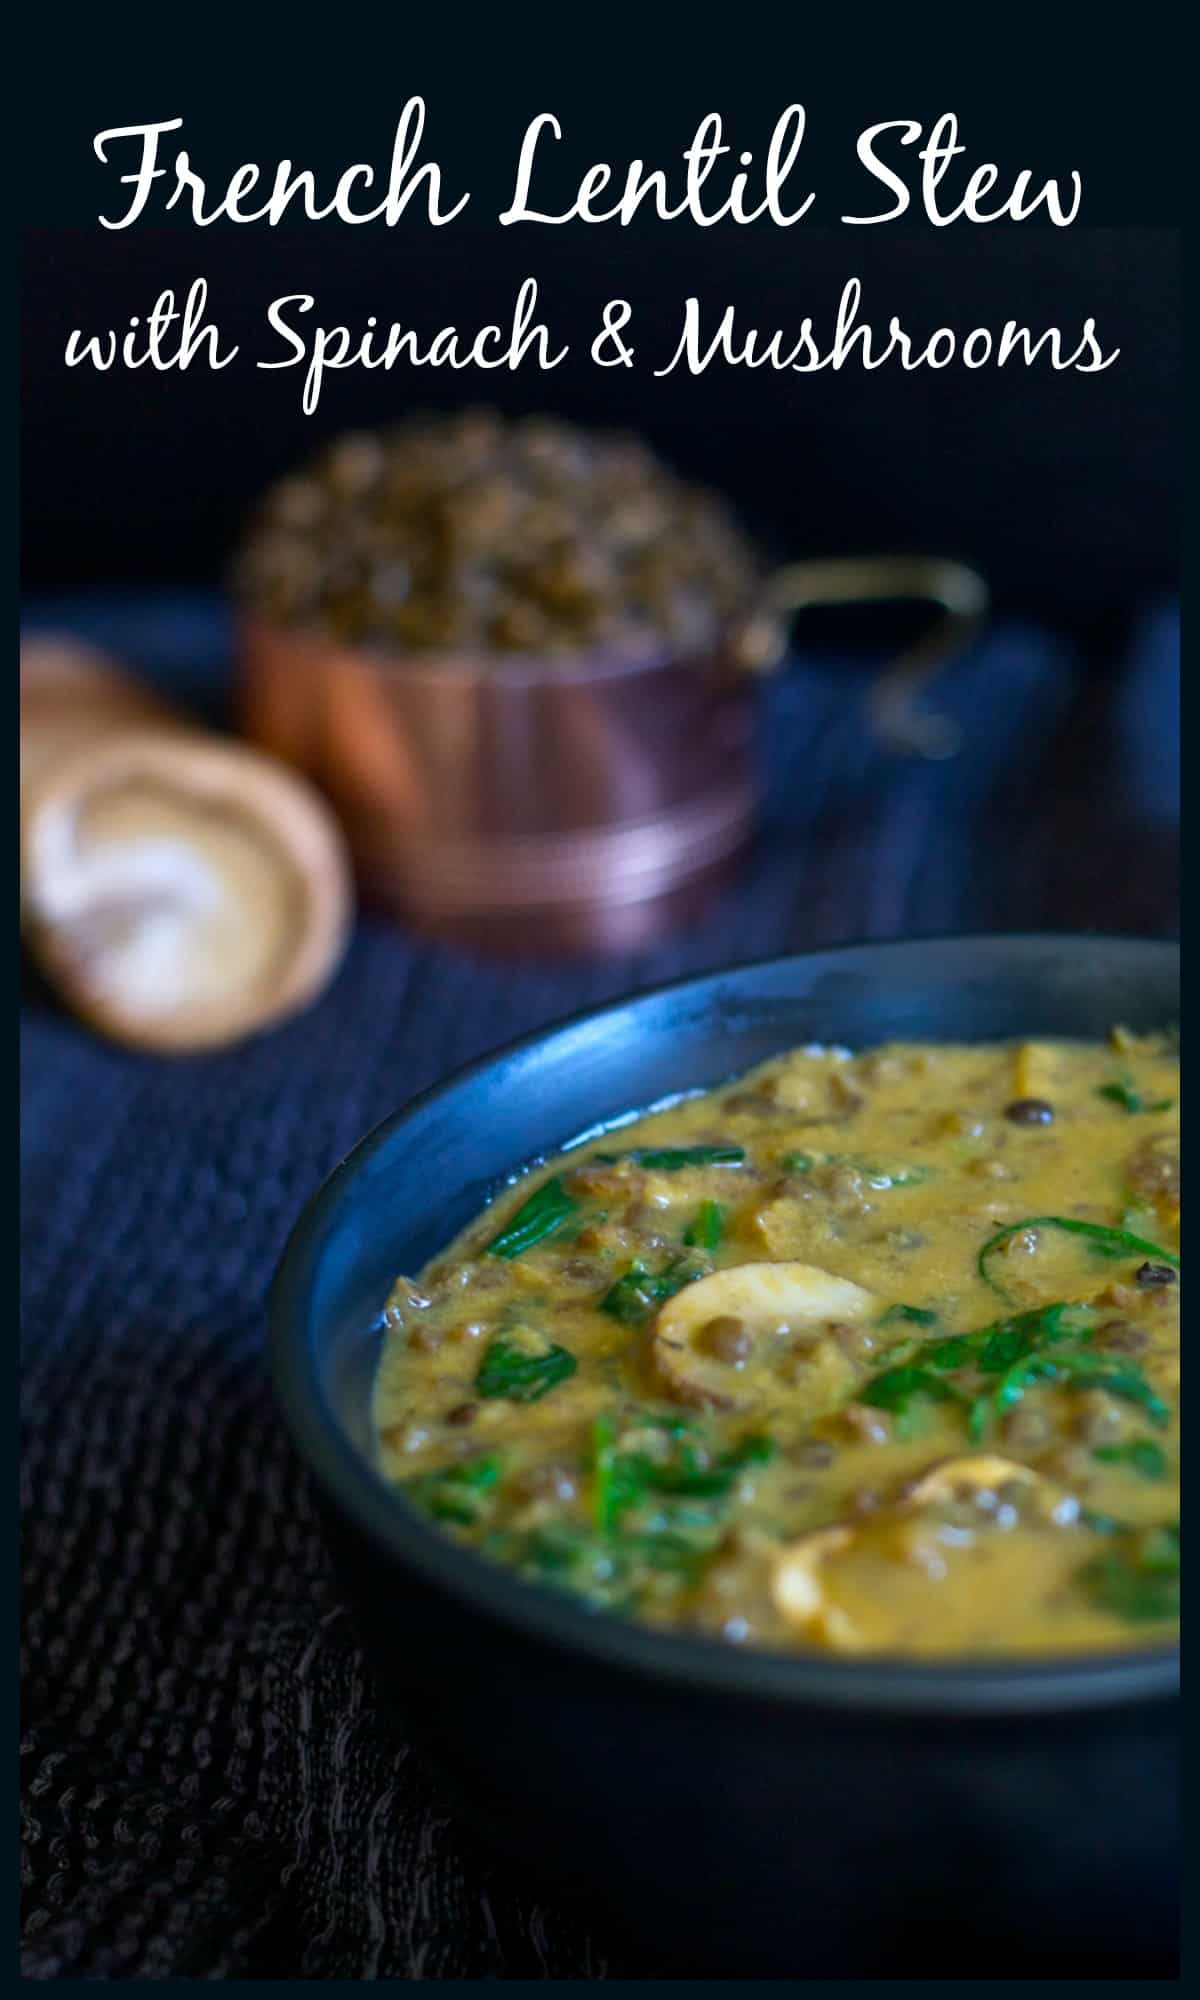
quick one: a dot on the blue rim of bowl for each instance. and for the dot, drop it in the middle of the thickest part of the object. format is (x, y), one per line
(1012, 1687)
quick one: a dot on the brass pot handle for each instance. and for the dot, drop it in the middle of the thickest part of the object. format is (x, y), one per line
(960, 592)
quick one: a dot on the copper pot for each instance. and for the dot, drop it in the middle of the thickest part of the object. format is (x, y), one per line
(540, 808)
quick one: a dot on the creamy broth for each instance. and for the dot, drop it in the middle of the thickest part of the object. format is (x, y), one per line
(870, 1353)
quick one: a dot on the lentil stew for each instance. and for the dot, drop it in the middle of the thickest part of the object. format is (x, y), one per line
(504, 539)
(871, 1353)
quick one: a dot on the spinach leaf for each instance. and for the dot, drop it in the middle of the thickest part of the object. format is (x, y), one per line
(1050, 1345)
(687, 1468)
(1101, 1524)
(1134, 1594)
(671, 1534)
(568, 1557)
(897, 1388)
(604, 1569)
(994, 1402)
(990, 1349)
(915, 1315)
(522, 1374)
(1139, 1577)
(459, 1493)
(681, 1554)
(657, 1510)
(1159, 1549)
(1007, 1341)
(1106, 1242)
(1142, 1455)
(705, 1231)
(706, 1481)
(672, 1159)
(545, 1212)
(1123, 1093)
(1069, 1370)
(639, 1292)
(953, 1352)
(1047, 1344)
(1016, 1350)
(1121, 1379)
(614, 1486)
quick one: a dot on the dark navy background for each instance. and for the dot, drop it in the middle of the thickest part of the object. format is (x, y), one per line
(1065, 489)
(207, 1790)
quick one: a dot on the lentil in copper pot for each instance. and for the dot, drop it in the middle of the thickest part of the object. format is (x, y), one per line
(484, 535)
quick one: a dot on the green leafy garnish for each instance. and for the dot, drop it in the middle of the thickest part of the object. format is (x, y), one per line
(522, 1373)
(584, 1218)
(1159, 1549)
(798, 1163)
(1047, 1344)
(545, 1212)
(953, 1352)
(608, 1495)
(989, 1349)
(704, 1232)
(1072, 1370)
(672, 1159)
(639, 1292)
(1139, 1577)
(1123, 1093)
(683, 1464)
(916, 1315)
(1104, 1241)
(1101, 1524)
(459, 1493)
(608, 1571)
(658, 1507)
(1140, 1454)
(896, 1388)
(1007, 1341)
(1117, 1378)
(711, 1481)
(567, 1557)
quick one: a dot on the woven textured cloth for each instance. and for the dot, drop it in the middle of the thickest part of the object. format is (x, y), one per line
(207, 1792)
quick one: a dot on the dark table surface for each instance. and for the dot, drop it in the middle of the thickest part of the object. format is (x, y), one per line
(206, 1790)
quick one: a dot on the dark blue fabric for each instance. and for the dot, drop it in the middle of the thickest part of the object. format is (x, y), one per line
(206, 1789)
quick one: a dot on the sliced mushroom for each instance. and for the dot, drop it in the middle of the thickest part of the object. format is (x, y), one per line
(983, 1472)
(180, 890)
(767, 1299)
(802, 1590)
(799, 1590)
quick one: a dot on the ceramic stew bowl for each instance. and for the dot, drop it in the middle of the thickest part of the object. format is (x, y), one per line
(735, 1812)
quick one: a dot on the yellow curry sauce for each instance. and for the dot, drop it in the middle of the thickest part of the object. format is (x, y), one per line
(868, 1353)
